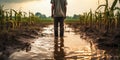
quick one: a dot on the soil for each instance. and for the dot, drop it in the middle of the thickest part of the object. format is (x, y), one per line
(108, 41)
(21, 38)
(17, 39)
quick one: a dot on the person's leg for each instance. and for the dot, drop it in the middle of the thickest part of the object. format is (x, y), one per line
(62, 27)
(56, 27)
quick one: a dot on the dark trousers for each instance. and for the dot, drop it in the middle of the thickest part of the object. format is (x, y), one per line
(58, 21)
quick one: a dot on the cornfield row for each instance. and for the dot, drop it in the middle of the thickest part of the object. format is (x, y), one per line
(11, 19)
(103, 21)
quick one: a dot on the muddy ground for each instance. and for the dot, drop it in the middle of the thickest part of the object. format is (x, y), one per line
(108, 41)
(17, 39)
(22, 38)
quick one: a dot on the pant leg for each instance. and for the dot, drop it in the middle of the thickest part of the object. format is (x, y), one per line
(61, 27)
(56, 27)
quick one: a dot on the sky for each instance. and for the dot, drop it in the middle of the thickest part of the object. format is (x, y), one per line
(44, 6)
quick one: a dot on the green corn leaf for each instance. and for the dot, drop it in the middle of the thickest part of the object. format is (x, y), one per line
(100, 6)
(14, 11)
(117, 8)
(114, 4)
(107, 3)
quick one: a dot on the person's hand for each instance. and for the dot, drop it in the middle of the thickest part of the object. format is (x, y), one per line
(65, 17)
(52, 15)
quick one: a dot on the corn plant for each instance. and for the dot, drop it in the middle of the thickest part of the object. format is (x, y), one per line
(90, 18)
(15, 18)
(8, 23)
(1, 12)
(31, 18)
(19, 18)
(85, 16)
(81, 19)
(114, 4)
(10, 14)
(109, 20)
(10, 18)
(1, 16)
(118, 18)
(15, 14)
(98, 18)
(103, 21)
(24, 14)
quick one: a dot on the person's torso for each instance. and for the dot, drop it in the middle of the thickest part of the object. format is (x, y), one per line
(59, 8)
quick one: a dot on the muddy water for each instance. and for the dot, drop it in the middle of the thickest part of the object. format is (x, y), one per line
(70, 47)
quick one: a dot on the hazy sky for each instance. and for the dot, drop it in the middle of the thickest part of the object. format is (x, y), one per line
(44, 6)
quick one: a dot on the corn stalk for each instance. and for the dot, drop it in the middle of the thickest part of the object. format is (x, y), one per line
(1, 13)
(118, 18)
(15, 14)
(109, 20)
(10, 14)
(31, 18)
(1, 17)
(16, 24)
(90, 18)
(24, 14)
(19, 18)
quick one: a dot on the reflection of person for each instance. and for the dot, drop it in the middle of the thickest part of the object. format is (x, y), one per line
(59, 53)
(59, 14)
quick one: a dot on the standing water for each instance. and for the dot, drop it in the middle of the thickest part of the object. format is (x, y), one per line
(70, 47)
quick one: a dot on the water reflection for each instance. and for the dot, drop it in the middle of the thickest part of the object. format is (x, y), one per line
(47, 31)
(71, 47)
(59, 53)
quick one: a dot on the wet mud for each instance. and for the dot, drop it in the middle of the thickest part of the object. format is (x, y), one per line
(73, 46)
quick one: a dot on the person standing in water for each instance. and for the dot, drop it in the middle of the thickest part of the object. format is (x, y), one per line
(58, 13)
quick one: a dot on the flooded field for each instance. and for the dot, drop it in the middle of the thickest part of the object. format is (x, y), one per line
(70, 47)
